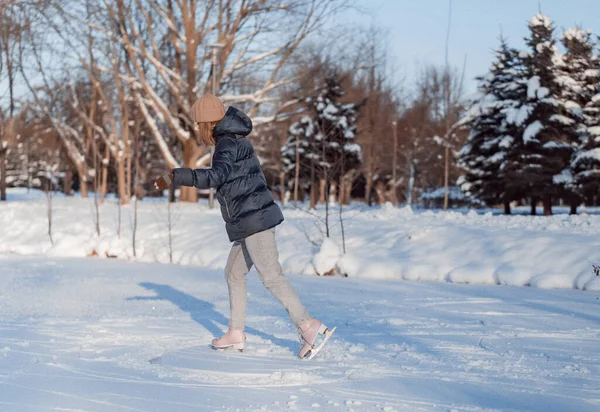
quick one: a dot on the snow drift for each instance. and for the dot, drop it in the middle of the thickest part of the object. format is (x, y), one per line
(381, 243)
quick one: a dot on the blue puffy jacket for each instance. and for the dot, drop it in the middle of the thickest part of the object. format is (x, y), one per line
(247, 204)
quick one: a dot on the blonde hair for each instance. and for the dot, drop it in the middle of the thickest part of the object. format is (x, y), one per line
(204, 133)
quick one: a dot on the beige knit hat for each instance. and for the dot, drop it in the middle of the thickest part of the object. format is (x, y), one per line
(207, 109)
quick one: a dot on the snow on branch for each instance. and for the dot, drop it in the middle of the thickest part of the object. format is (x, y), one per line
(256, 97)
(540, 20)
(162, 12)
(531, 131)
(251, 60)
(227, 73)
(158, 137)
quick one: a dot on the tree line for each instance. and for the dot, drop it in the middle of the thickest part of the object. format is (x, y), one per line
(535, 123)
(99, 95)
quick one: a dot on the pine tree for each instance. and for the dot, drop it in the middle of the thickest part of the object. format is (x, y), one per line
(301, 135)
(514, 95)
(335, 131)
(485, 157)
(581, 87)
(327, 145)
(545, 148)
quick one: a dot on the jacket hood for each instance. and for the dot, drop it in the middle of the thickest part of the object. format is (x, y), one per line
(235, 122)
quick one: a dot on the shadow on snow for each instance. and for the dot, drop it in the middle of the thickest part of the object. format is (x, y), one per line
(204, 313)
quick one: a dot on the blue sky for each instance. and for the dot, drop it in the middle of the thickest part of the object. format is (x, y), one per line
(417, 28)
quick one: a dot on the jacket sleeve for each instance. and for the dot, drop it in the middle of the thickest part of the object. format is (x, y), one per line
(222, 165)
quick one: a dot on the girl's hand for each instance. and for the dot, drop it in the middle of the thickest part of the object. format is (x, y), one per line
(163, 182)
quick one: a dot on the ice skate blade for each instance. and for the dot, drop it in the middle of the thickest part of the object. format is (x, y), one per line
(237, 346)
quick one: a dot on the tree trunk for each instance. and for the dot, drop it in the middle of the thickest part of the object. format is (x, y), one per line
(82, 172)
(121, 186)
(371, 117)
(380, 190)
(507, 207)
(282, 187)
(533, 206)
(333, 192)
(2, 173)
(368, 188)
(4, 139)
(446, 169)
(349, 191)
(313, 186)
(297, 171)
(547, 206)
(67, 182)
(346, 189)
(574, 204)
(394, 196)
(190, 156)
(322, 186)
(313, 195)
(128, 177)
(391, 195)
(411, 184)
(172, 194)
(395, 162)
(104, 183)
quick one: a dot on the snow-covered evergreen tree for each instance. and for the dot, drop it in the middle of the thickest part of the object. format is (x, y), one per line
(485, 156)
(327, 145)
(514, 94)
(581, 89)
(301, 135)
(545, 150)
(335, 131)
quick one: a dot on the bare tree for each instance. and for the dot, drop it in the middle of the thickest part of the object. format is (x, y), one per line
(136, 181)
(446, 82)
(96, 199)
(3, 153)
(11, 29)
(452, 96)
(297, 171)
(46, 98)
(152, 57)
(100, 104)
(167, 91)
(423, 133)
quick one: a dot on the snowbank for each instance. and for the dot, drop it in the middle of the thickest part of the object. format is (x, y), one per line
(381, 243)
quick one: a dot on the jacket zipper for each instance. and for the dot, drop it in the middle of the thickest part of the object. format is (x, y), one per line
(227, 207)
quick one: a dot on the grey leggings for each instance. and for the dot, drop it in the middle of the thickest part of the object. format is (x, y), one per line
(259, 249)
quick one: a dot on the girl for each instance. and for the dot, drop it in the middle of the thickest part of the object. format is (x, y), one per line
(250, 216)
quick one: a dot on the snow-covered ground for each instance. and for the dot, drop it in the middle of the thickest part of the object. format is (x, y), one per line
(381, 243)
(133, 333)
(111, 335)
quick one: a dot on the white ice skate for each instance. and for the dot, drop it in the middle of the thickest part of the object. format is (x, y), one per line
(235, 339)
(308, 332)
